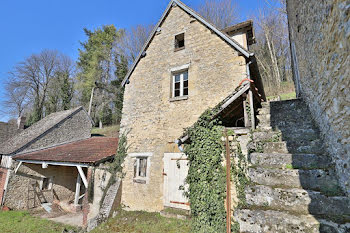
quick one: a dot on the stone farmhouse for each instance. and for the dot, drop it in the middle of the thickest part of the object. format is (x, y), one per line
(53, 162)
(186, 66)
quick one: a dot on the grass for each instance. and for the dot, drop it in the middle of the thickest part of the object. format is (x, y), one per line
(143, 222)
(108, 131)
(22, 221)
(284, 96)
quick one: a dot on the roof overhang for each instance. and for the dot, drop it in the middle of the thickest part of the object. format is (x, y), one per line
(191, 12)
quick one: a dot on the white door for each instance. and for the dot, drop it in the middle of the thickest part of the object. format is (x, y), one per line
(175, 172)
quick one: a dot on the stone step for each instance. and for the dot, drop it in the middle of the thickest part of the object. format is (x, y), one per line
(284, 110)
(312, 147)
(289, 161)
(286, 135)
(316, 179)
(267, 118)
(268, 135)
(297, 201)
(258, 221)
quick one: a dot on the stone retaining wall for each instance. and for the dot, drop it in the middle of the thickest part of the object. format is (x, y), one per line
(320, 47)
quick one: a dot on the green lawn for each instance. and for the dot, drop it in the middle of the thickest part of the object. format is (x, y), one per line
(23, 222)
(284, 96)
(143, 222)
(108, 131)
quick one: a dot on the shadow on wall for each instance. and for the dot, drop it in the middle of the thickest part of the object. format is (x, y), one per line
(309, 183)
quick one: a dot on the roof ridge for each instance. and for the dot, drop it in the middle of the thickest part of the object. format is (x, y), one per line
(190, 11)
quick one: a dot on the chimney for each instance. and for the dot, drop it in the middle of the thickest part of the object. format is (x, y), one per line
(20, 122)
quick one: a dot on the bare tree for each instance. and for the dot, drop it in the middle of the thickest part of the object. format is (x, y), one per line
(272, 47)
(133, 41)
(34, 75)
(221, 13)
(16, 98)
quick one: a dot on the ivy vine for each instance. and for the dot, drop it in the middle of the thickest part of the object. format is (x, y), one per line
(206, 175)
(115, 168)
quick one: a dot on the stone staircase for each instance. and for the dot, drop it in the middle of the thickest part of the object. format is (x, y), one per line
(293, 183)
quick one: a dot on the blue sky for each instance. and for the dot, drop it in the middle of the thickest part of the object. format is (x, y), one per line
(29, 26)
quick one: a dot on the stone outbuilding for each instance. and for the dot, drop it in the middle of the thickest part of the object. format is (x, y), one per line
(186, 66)
(55, 129)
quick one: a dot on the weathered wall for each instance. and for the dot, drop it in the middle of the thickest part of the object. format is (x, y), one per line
(74, 128)
(320, 45)
(64, 181)
(153, 120)
(3, 174)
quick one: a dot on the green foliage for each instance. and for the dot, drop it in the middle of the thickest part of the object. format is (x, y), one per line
(115, 168)
(101, 66)
(206, 175)
(239, 166)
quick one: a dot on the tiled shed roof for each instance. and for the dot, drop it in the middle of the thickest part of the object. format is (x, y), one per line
(91, 151)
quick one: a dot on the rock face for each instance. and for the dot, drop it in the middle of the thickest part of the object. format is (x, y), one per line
(294, 187)
(320, 42)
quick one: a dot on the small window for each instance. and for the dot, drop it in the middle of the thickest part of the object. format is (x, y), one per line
(140, 167)
(180, 41)
(46, 183)
(180, 84)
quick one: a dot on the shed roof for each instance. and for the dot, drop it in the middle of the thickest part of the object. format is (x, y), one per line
(90, 151)
(28, 135)
(194, 14)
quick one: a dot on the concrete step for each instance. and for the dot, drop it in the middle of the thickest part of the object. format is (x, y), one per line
(298, 201)
(288, 161)
(316, 179)
(269, 221)
(312, 147)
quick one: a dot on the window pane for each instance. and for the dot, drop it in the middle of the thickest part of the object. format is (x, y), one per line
(185, 76)
(185, 91)
(177, 93)
(135, 168)
(185, 84)
(177, 78)
(143, 167)
(177, 86)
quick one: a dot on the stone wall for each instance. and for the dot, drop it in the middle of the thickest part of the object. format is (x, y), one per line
(320, 47)
(74, 128)
(64, 181)
(152, 119)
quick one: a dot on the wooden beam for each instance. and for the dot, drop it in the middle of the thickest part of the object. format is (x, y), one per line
(252, 111)
(77, 190)
(82, 175)
(20, 163)
(228, 185)
(245, 113)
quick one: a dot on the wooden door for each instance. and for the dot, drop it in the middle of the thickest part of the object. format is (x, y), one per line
(175, 172)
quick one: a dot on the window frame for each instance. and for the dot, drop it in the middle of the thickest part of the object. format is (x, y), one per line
(50, 183)
(176, 42)
(182, 81)
(136, 159)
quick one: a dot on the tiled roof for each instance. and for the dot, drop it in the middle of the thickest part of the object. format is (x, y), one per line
(91, 151)
(28, 135)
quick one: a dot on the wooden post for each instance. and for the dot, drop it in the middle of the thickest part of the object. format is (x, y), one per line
(251, 103)
(228, 186)
(77, 190)
(86, 207)
(246, 119)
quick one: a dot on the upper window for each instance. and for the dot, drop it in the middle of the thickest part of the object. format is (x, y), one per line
(180, 41)
(180, 84)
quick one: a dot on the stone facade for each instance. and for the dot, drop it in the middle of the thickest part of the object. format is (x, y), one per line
(320, 47)
(63, 180)
(152, 118)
